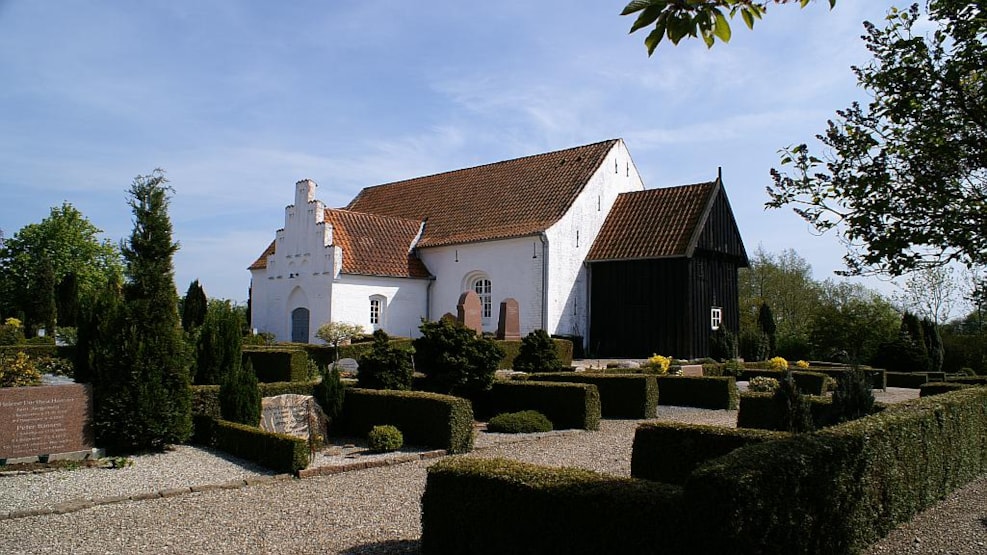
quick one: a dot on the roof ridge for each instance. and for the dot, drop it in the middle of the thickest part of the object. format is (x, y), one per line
(488, 164)
(372, 215)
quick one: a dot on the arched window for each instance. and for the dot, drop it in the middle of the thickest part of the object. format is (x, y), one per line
(481, 285)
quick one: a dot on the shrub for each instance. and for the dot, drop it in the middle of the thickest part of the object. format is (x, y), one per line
(17, 369)
(796, 414)
(385, 366)
(853, 397)
(428, 419)
(11, 332)
(723, 344)
(778, 363)
(239, 396)
(538, 354)
(524, 422)
(733, 367)
(455, 359)
(335, 333)
(329, 392)
(567, 405)
(218, 344)
(763, 384)
(698, 391)
(802, 364)
(263, 338)
(384, 439)
(659, 364)
(623, 395)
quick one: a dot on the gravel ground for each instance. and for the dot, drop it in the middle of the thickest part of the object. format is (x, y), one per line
(365, 511)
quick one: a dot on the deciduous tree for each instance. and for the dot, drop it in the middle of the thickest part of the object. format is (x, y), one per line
(905, 178)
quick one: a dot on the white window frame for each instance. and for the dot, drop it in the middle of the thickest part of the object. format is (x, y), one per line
(483, 287)
(715, 317)
(378, 307)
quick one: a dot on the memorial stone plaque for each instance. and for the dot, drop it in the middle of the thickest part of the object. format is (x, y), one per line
(294, 415)
(509, 325)
(469, 311)
(45, 420)
(348, 365)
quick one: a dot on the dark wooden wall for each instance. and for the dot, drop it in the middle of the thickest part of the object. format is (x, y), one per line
(642, 307)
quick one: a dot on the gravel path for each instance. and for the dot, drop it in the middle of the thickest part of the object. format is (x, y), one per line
(365, 511)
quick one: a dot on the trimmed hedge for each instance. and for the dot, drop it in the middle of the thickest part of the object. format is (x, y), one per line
(48, 350)
(879, 379)
(277, 365)
(808, 383)
(760, 411)
(840, 489)
(698, 391)
(938, 388)
(426, 419)
(563, 347)
(971, 380)
(279, 452)
(912, 380)
(205, 398)
(567, 405)
(496, 506)
(669, 452)
(621, 395)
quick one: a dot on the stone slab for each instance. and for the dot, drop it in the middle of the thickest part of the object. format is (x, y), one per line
(294, 415)
(43, 420)
(692, 370)
(469, 311)
(509, 324)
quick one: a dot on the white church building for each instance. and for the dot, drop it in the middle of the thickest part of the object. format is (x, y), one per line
(407, 250)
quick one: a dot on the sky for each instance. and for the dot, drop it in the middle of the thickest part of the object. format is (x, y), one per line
(238, 99)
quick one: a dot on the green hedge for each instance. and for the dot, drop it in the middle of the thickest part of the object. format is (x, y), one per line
(759, 411)
(621, 395)
(938, 388)
(840, 489)
(563, 348)
(497, 506)
(808, 383)
(277, 365)
(279, 452)
(698, 391)
(669, 451)
(912, 380)
(426, 419)
(205, 398)
(567, 405)
(879, 379)
(60, 351)
(971, 380)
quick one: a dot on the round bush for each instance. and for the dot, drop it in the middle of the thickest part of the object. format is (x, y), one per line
(524, 422)
(384, 439)
(763, 384)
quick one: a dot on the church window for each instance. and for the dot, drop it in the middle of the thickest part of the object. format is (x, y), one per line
(377, 311)
(715, 317)
(482, 287)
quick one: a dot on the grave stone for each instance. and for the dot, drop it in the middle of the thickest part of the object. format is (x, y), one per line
(45, 420)
(469, 311)
(509, 324)
(348, 365)
(294, 415)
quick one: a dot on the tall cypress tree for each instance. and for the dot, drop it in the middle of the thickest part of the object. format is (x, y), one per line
(67, 299)
(766, 322)
(194, 307)
(933, 344)
(142, 395)
(218, 350)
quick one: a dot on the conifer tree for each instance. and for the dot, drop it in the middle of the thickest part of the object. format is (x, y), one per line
(766, 323)
(142, 397)
(538, 354)
(239, 396)
(218, 349)
(194, 307)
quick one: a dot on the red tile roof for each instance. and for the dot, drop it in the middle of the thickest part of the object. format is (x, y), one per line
(376, 245)
(372, 245)
(655, 223)
(506, 199)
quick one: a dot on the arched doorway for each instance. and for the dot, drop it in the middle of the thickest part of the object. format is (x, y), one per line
(299, 325)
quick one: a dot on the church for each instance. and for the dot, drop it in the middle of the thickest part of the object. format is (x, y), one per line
(572, 235)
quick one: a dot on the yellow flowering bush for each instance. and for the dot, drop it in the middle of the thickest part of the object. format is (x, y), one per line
(18, 370)
(802, 364)
(659, 363)
(778, 363)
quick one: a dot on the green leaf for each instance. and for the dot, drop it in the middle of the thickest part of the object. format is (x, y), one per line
(652, 40)
(748, 18)
(721, 28)
(638, 5)
(647, 17)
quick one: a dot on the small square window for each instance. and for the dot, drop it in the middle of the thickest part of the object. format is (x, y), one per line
(715, 317)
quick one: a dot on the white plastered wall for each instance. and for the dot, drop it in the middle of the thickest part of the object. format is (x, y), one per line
(514, 267)
(300, 272)
(404, 302)
(572, 236)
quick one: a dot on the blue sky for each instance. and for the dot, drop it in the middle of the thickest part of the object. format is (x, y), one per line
(239, 99)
